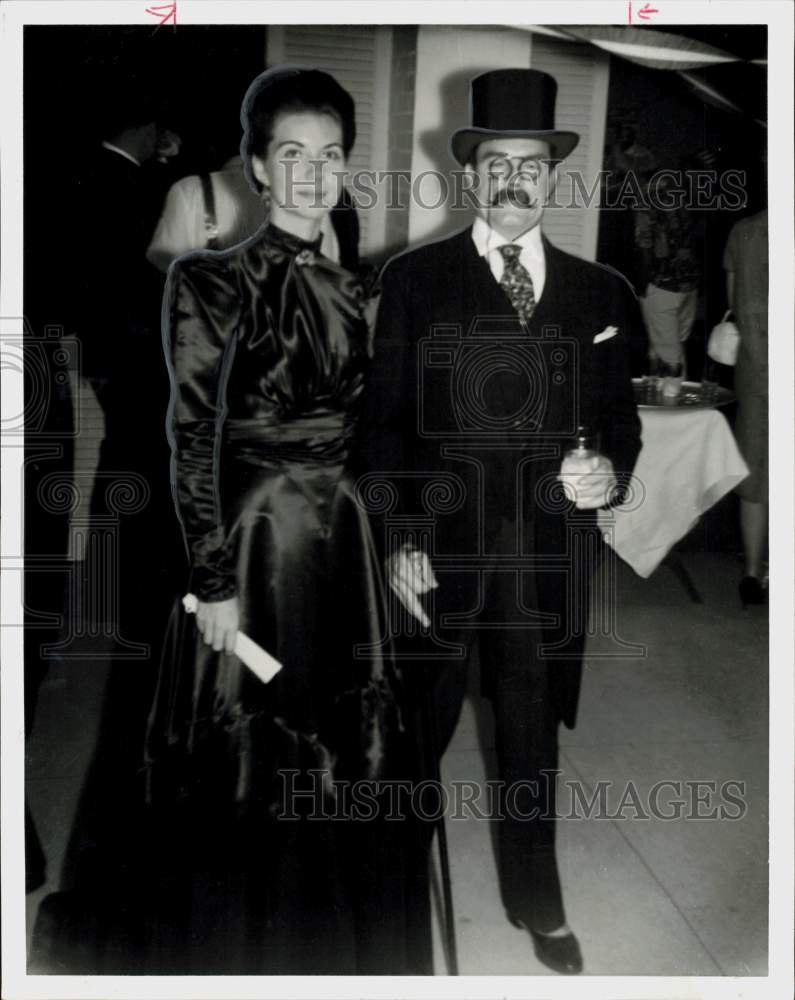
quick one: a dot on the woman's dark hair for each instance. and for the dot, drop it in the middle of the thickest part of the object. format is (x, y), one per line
(290, 90)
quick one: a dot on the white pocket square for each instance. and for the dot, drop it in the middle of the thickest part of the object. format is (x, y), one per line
(606, 334)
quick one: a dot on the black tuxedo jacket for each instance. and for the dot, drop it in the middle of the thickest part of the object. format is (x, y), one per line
(468, 414)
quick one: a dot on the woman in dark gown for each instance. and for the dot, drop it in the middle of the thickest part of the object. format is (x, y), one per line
(251, 858)
(268, 346)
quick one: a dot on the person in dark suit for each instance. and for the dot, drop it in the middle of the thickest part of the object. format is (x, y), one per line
(115, 297)
(492, 348)
(115, 291)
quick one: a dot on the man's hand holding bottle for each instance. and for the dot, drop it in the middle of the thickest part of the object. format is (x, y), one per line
(588, 477)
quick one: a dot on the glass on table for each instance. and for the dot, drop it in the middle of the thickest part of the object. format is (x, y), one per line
(672, 374)
(651, 386)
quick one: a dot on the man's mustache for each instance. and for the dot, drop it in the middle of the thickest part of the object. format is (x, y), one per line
(513, 198)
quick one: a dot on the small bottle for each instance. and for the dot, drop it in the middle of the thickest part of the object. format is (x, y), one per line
(577, 461)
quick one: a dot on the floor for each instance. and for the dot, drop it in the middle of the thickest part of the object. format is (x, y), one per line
(646, 895)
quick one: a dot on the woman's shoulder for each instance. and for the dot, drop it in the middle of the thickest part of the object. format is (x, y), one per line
(206, 267)
(208, 277)
(217, 262)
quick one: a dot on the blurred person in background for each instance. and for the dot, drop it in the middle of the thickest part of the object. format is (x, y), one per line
(746, 263)
(218, 210)
(669, 268)
(115, 302)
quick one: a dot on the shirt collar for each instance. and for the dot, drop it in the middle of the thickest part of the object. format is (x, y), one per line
(486, 239)
(121, 152)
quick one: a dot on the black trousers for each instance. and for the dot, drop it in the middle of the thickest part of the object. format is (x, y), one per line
(526, 722)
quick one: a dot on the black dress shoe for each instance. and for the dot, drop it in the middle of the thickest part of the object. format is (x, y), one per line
(751, 591)
(561, 953)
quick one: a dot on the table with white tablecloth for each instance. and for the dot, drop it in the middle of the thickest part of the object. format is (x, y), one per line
(689, 460)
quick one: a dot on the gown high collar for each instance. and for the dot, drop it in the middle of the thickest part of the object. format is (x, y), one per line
(289, 242)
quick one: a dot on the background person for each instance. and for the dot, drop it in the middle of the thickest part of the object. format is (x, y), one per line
(669, 269)
(218, 210)
(746, 262)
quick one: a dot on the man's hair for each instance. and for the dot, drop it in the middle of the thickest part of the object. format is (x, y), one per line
(291, 90)
(123, 104)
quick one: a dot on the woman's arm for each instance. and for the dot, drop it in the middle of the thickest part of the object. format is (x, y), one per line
(730, 256)
(730, 289)
(200, 319)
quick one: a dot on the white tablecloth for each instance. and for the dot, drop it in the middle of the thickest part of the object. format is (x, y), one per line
(688, 461)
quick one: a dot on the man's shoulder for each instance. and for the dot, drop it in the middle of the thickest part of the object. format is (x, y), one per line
(588, 273)
(427, 257)
(751, 224)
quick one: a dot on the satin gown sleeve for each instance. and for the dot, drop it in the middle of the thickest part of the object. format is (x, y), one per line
(201, 312)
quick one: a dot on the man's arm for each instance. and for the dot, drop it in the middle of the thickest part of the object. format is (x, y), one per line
(387, 433)
(387, 415)
(620, 427)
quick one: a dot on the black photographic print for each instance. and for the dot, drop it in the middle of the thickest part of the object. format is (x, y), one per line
(393, 574)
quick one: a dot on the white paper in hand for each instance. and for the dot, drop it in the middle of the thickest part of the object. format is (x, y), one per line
(258, 660)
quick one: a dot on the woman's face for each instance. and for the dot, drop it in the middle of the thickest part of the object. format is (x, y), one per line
(303, 167)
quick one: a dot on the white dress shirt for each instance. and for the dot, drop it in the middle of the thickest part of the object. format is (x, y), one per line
(487, 243)
(239, 213)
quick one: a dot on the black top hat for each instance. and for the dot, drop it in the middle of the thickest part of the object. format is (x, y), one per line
(512, 104)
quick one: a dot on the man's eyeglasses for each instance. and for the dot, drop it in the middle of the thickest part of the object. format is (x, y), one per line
(528, 168)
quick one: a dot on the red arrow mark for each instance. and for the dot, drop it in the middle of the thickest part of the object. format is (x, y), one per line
(167, 13)
(647, 11)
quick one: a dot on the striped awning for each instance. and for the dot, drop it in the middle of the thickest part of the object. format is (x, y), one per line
(656, 50)
(663, 50)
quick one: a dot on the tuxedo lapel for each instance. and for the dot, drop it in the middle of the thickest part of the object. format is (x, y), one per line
(482, 295)
(547, 308)
(463, 293)
(551, 317)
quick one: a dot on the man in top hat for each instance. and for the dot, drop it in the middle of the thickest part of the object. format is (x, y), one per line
(492, 348)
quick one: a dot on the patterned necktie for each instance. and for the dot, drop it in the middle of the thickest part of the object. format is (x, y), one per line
(516, 282)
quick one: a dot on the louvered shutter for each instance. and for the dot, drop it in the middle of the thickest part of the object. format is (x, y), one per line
(358, 57)
(582, 76)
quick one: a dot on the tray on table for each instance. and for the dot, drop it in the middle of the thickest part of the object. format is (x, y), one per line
(691, 397)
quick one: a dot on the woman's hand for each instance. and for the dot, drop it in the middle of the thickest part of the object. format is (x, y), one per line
(218, 623)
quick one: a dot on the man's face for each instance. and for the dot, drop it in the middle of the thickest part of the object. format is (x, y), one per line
(514, 179)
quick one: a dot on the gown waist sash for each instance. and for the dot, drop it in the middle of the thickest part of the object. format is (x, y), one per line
(315, 438)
